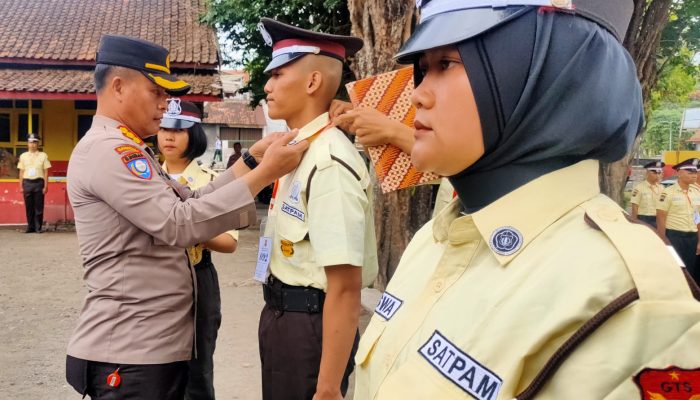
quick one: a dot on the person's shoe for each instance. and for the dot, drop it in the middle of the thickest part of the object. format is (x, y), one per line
(40, 231)
(29, 231)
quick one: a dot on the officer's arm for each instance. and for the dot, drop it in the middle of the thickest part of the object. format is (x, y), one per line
(341, 312)
(661, 224)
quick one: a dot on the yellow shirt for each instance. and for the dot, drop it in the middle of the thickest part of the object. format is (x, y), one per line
(681, 207)
(481, 302)
(33, 165)
(196, 176)
(445, 194)
(645, 196)
(321, 215)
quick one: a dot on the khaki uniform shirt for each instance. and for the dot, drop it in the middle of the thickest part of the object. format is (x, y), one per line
(681, 207)
(645, 196)
(321, 215)
(33, 165)
(480, 303)
(445, 194)
(196, 176)
(132, 230)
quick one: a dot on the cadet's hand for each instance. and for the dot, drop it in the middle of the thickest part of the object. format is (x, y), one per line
(339, 107)
(46, 188)
(328, 396)
(373, 128)
(258, 148)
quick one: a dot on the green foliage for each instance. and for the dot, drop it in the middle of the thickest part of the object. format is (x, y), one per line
(663, 130)
(237, 22)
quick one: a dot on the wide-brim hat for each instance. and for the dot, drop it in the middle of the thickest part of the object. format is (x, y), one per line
(290, 43)
(448, 22)
(149, 58)
(180, 115)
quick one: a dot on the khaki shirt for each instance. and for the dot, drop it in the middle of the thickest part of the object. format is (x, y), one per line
(681, 207)
(645, 196)
(445, 194)
(321, 215)
(480, 303)
(196, 176)
(33, 165)
(132, 230)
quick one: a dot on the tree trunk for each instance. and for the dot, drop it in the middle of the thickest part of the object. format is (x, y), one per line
(642, 41)
(384, 25)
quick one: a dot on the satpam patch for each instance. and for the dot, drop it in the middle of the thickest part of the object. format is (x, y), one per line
(296, 213)
(506, 240)
(138, 165)
(388, 305)
(671, 383)
(460, 368)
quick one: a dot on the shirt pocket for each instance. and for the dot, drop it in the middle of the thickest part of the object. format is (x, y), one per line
(293, 244)
(369, 340)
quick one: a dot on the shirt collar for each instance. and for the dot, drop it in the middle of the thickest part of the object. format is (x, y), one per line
(313, 127)
(523, 213)
(189, 175)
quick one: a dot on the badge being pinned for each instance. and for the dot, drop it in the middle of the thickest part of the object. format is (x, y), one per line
(506, 240)
(138, 165)
(671, 383)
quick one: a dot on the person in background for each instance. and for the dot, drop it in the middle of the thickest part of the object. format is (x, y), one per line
(217, 151)
(646, 194)
(33, 168)
(235, 156)
(181, 140)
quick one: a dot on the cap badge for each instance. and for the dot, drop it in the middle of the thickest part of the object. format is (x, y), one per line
(695, 162)
(174, 107)
(658, 164)
(265, 34)
(506, 240)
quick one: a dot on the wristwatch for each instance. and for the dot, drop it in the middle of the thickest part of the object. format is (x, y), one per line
(249, 160)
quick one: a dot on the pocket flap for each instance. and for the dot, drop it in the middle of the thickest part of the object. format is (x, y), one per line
(369, 340)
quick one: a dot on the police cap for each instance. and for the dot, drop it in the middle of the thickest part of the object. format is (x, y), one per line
(447, 22)
(690, 164)
(180, 115)
(149, 58)
(654, 166)
(290, 43)
(33, 137)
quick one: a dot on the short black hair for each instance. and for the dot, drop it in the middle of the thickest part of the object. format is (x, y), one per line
(237, 143)
(102, 72)
(197, 143)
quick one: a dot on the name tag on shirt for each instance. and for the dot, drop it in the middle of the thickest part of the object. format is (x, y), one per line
(298, 214)
(388, 306)
(262, 267)
(460, 368)
(696, 218)
(31, 172)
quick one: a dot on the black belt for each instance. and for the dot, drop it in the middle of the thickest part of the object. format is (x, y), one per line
(673, 232)
(283, 297)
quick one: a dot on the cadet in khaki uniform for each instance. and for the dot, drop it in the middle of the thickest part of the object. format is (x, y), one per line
(646, 194)
(33, 168)
(135, 332)
(181, 140)
(532, 284)
(677, 214)
(320, 225)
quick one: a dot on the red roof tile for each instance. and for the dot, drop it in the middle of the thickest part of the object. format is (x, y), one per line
(233, 113)
(70, 30)
(52, 80)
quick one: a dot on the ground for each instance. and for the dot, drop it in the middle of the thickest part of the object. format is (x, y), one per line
(41, 292)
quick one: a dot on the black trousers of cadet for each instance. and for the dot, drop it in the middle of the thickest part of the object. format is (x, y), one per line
(138, 382)
(34, 203)
(651, 220)
(685, 244)
(290, 353)
(200, 384)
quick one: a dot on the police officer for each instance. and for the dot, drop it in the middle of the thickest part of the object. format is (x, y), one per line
(677, 213)
(33, 169)
(320, 226)
(532, 284)
(646, 193)
(135, 332)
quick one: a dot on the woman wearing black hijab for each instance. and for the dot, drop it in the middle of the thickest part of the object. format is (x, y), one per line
(532, 284)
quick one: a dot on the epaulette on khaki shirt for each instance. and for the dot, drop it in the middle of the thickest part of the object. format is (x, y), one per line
(321, 215)
(645, 195)
(492, 304)
(681, 207)
(133, 224)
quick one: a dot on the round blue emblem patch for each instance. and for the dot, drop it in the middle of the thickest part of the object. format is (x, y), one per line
(506, 240)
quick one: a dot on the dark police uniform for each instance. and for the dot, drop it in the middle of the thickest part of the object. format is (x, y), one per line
(135, 333)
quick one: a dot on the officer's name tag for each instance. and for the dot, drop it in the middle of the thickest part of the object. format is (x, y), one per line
(263, 264)
(298, 214)
(461, 369)
(388, 306)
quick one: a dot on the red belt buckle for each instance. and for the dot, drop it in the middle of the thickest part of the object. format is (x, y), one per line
(113, 379)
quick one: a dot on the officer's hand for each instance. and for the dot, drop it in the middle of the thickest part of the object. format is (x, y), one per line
(339, 107)
(281, 157)
(258, 149)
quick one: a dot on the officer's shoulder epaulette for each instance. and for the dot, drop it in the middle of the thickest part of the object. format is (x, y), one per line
(656, 272)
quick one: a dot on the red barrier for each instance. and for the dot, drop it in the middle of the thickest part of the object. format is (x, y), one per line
(56, 205)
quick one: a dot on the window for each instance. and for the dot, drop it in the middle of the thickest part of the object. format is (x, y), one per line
(14, 124)
(84, 123)
(23, 127)
(5, 128)
(86, 105)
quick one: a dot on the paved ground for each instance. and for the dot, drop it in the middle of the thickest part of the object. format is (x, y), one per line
(41, 292)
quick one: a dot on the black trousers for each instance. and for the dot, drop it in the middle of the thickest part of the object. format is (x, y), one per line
(200, 384)
(290, 354)
(34, 203)
(651, 220)
(685, 244)
(138, 382)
